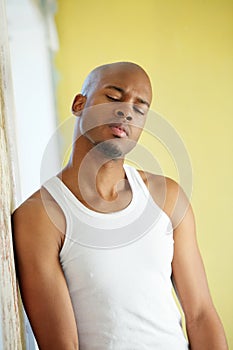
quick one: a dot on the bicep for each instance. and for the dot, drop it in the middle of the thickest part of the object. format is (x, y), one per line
(188, 270)
(42, 284)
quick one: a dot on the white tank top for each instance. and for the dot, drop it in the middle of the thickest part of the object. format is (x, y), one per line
(118, 271)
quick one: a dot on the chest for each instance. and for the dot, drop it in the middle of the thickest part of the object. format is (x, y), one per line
(143, 264)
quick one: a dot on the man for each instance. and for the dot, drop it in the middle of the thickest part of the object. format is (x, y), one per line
(94, 247)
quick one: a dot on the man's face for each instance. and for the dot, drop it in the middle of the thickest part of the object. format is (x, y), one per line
(115, 110)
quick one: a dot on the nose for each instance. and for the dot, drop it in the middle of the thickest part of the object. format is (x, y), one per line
(123, 114)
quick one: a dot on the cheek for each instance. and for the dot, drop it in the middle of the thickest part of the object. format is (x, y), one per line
(96, 116)
(136, 131)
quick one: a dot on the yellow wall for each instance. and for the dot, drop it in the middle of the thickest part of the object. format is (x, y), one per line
(186, 47)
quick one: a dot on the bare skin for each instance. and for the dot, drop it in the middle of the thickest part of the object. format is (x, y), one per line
(38, 239)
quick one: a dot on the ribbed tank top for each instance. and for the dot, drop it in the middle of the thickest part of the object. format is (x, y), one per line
(118, 271)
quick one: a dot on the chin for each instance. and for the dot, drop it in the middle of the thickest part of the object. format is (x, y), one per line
(109, 150)
(113, 149)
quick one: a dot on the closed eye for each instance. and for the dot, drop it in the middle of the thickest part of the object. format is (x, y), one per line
(111, 98)
(138, 110)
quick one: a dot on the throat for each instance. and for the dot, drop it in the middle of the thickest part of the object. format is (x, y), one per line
(115, 199)
(108, 196)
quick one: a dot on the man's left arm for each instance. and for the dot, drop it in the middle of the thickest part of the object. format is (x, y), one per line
(204, 328)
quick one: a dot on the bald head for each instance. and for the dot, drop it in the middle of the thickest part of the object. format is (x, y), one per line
(109, 70)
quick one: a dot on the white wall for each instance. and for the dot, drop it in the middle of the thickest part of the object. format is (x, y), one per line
(33, 91)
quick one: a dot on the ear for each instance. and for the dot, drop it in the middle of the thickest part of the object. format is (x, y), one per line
(78, 104)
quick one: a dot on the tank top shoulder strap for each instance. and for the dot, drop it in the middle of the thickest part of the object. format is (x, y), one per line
(136, 180)
(137, 184)
(57, 190)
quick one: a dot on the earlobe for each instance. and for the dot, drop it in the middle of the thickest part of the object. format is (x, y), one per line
(78, 105)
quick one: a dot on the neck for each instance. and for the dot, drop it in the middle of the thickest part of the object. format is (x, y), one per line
(93, 171)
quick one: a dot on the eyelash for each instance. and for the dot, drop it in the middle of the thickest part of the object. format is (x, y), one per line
(112, 98)
(117, 99)
(138, 110)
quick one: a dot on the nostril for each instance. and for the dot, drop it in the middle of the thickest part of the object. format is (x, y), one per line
(120, 114)
(129, 118)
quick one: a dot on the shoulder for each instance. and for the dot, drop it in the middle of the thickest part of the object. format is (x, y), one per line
(161, 186)
(159, 181)
(168, 195)
(39, 219)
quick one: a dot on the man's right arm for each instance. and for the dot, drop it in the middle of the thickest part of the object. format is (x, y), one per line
(37, 242)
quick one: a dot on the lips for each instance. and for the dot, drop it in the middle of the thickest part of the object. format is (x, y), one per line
(119, 129)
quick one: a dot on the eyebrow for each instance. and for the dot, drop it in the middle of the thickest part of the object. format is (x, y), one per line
(139, 99)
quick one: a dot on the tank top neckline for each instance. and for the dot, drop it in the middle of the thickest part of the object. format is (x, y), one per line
(134, 189)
